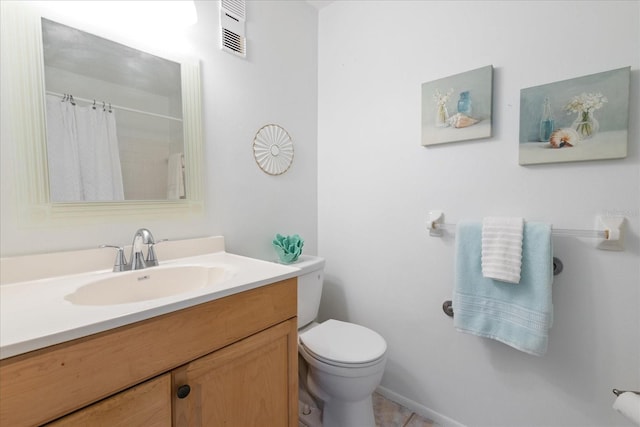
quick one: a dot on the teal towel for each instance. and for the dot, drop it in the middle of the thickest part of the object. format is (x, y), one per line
(518, 315)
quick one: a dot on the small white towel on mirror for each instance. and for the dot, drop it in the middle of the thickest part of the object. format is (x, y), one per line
(502, 248)
(175, 177)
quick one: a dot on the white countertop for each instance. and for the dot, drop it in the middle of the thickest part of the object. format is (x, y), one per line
(34, 314)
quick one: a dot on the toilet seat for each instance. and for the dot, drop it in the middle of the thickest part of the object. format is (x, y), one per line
(343, 344)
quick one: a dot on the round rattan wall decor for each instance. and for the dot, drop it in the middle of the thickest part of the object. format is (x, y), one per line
(273, 149)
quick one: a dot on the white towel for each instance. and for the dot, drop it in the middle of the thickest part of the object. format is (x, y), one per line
(502, 248)
(175, 177)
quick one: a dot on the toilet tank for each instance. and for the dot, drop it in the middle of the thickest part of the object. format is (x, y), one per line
(309, 287)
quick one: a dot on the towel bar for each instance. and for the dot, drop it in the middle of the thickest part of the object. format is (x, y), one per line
(557, 269)
(612, 234)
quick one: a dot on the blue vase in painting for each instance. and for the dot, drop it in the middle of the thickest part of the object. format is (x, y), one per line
(546, 122)
(464, 103)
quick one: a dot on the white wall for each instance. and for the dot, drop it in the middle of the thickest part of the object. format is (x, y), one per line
(377, 183)
(275, 84)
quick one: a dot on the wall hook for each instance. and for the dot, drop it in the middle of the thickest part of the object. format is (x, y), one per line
(447, 308)
(557, 266)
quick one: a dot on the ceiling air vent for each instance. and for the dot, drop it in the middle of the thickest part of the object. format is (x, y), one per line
(232, 27)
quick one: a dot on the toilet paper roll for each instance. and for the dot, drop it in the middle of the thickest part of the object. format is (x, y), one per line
(628, 404)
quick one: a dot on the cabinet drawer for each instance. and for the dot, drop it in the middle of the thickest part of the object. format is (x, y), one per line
(145, 405)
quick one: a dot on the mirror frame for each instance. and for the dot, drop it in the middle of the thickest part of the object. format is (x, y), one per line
(22, 46)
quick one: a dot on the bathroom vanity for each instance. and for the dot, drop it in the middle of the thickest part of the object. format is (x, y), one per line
(221, 356)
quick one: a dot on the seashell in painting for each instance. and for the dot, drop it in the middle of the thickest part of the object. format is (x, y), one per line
(460, 120)
(565, 137)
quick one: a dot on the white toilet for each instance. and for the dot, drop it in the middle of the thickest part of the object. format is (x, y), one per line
(344, 361)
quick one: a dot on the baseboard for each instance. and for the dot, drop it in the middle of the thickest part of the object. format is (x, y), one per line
(441, 420)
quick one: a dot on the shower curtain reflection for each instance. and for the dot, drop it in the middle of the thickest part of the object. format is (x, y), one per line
(82, 151)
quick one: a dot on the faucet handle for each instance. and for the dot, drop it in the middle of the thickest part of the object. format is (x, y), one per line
(152, 260)
(120, 264)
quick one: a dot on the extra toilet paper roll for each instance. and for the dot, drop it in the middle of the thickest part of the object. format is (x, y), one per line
(628, 404)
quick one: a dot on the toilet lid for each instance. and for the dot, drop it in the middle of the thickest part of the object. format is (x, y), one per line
(344, 342)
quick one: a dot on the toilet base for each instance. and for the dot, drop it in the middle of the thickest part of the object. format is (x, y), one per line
(348, 414)
(342, 412)
(308, 415)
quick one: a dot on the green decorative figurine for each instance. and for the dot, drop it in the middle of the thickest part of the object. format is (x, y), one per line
(288, 248)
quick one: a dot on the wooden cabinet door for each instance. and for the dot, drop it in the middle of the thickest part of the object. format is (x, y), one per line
(253, 382)
(145, 405)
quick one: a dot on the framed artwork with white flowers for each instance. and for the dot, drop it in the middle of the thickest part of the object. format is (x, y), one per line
(585, 118)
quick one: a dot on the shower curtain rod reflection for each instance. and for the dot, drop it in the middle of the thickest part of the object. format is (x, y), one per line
(119, 107)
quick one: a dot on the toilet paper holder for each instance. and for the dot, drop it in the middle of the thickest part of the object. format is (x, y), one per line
(619, 392)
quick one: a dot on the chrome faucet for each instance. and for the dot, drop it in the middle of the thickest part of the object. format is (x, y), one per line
(137, 260)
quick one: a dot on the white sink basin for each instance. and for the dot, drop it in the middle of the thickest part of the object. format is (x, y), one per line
(148, 284)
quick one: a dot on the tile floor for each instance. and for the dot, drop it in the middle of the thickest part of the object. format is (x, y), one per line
(391, 414)
(387, 412)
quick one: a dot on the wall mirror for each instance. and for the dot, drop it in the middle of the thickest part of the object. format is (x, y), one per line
(106, 129)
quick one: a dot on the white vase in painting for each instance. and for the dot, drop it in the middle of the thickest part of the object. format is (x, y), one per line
(442, 116)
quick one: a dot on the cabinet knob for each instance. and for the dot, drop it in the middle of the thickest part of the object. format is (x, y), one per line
(183, 391)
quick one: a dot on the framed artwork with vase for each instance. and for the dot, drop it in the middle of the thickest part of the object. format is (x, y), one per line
(458, 107)
(585, 118)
